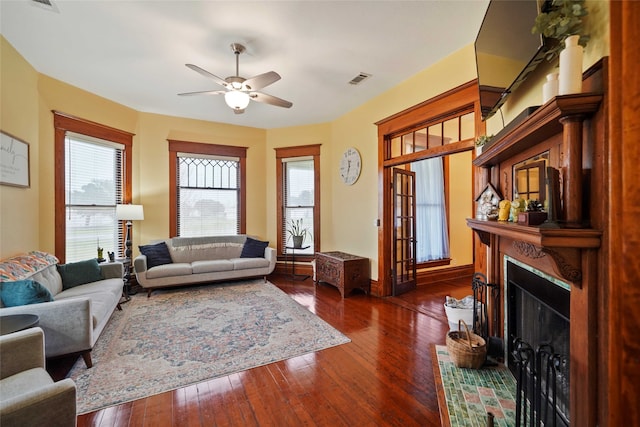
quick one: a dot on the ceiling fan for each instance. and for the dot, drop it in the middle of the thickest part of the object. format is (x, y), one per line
(239, 91)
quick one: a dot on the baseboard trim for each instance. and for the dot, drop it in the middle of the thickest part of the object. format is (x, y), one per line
(430, 276)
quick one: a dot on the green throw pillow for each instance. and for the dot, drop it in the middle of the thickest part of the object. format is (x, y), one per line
(79, 273)
(23, 292)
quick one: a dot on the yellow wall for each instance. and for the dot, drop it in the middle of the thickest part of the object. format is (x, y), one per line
(355, 208)
(19, 212)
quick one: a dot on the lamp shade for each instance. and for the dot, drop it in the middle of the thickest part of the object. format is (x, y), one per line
(236, 99)
(129, 212)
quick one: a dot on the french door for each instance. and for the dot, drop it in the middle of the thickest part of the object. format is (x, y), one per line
(404, 231)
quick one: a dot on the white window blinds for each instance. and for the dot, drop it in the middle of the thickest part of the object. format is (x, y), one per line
(93, 187)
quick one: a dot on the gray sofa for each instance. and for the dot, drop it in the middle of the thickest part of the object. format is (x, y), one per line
(203, 259)
(75, 319)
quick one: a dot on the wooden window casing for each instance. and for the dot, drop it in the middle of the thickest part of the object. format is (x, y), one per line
(64, 123)
(197, 148)
(292, 152)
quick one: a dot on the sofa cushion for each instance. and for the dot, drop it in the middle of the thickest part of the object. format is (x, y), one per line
(253, 248)
(78, 273)
(23, 292)
(211, 266)
(157, 254)
(246, 263)
(23, 382)
(112, 286)
(205, 251)
(169, 270)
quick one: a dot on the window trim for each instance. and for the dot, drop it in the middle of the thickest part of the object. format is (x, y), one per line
(64, 123)
(285, 153)
(199, 148)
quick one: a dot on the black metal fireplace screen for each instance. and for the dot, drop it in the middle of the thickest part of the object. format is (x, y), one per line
(538, 347)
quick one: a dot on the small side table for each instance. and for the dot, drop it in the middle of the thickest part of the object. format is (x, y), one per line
(294, 276)
(128, 276)
(17, 322)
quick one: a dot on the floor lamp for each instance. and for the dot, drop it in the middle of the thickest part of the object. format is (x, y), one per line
(128, 213)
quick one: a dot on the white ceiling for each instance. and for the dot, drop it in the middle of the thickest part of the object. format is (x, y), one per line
(134, 52)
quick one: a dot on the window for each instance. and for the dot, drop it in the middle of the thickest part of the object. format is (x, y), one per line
(90, 180)
(431, 212)
(93, 177)
(298, 170)
(207, 194)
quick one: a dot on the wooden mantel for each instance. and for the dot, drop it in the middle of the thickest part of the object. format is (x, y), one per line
(539, 126)
(562, 244)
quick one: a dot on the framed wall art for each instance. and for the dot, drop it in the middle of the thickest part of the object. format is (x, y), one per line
(14, 161)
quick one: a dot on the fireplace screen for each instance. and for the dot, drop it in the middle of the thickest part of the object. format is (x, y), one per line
(538, 346)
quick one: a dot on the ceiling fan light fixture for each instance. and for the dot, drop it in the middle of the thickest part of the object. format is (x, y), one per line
(236, 99)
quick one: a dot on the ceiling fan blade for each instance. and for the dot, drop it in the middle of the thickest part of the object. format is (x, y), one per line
(204, 92)
(270, 99)
(207, 74)
(261, 80)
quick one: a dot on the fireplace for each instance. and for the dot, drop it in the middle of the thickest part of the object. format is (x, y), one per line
(537, 327)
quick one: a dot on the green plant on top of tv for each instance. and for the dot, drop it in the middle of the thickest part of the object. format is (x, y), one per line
(559, 20)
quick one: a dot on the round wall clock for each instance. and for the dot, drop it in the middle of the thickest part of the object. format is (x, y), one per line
(350, 166)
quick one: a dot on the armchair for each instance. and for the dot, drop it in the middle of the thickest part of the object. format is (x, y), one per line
(28, 395)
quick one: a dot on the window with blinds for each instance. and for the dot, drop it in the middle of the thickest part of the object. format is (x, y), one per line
(208, 195)
(298, 201)
(93, 187)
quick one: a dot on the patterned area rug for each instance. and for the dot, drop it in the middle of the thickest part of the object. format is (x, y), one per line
(466, 396)
(184, 336)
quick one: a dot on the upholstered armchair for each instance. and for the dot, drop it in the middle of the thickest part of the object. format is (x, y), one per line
(28, 395)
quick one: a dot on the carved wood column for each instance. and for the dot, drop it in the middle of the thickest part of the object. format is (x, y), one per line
(572, 166)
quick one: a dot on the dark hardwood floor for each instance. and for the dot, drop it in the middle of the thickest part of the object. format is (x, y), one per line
(384, 376)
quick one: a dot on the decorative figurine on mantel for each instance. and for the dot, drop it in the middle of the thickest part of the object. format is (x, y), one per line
(488, 201)
(517, 206)
(505, 208)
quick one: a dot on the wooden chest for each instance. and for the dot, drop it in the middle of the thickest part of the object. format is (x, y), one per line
(344, 271)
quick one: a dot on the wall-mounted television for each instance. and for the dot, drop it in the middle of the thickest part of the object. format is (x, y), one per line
(506, 50)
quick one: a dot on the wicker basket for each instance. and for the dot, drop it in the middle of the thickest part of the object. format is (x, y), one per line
(466, 349)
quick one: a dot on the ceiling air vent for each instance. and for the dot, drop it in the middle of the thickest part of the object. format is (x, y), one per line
(359, 78)
(45, 4)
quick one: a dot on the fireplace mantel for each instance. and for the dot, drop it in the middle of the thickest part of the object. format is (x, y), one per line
(562, 244)
(563, 241)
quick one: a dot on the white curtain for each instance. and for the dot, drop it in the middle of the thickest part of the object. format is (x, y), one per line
(431, 218)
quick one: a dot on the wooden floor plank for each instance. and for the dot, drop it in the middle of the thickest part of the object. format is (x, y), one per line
(384, 376)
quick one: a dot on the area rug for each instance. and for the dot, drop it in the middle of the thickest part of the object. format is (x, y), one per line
(184, 336)
(465, 396)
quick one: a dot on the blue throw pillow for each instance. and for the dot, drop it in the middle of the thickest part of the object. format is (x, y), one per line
(157, 254)
(23, 292)
(78, 273)
(253, 248)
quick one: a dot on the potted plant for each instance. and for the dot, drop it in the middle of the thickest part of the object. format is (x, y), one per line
(297, 232)
(480, 143)
(560, 20)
